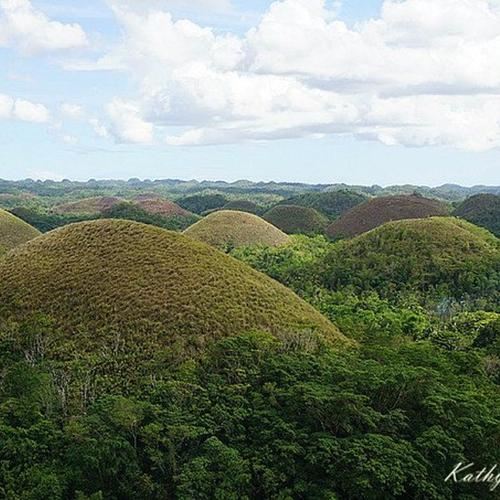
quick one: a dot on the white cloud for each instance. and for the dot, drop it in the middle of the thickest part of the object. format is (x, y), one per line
(127, 125)
(30, 30)
(424, 72)
(20, 109)
(72, 110)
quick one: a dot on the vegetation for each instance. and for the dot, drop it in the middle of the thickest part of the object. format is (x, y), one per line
(482, 210)
(137, 283)
(154, 216)
(330, 203)
(434, 257)
(88, 206)
(296, 219)
(228, 229)
(199, 204)
(14, 231)
(378, 211)
(138, 363)
(256, 418)
(243, 206)
(46, 221)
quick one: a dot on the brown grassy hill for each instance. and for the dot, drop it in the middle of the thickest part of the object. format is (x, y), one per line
(378, 211)
(228, 229)
(161, 206)
(14, 231)
(88, 206)
(147, 285)
(482, 210)
(294, 219)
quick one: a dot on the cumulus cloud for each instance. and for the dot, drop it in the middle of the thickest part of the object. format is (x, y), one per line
(72, 110)
(23, 26)
(20, 109)
(421, 73)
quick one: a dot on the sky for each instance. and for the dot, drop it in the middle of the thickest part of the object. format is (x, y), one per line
(355, 91)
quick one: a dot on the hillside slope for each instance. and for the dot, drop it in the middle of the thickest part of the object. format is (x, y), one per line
(14, 231)
(149, 285)
(296, 219)
(482, 210)
(434, 256)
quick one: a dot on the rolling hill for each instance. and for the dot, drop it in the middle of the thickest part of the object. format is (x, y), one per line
(14, 232)
(438, 255)
(296, 219)
(378, 211)
(88, 206)
(227, 229)
(330, 203)
(243, 206)
(161, 206)
(147, 285)
(482, 210)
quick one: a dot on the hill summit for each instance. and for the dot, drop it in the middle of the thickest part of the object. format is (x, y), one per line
(227, 229)
(14, 231)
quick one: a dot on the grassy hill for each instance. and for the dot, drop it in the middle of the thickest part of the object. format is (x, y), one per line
(160, 206)
(14, 231)
(482, 210)
(227, 229)
(88, 206)
(243, 206)
(378, 211)
(296, 219)
(109, 278)
(331, 203)
(437, 255)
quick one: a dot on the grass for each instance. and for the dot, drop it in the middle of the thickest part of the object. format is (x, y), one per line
(160, 206)
(88, 206)
(297, 219)
(378, 211)
(149, 284)
(483, 210)
(437, 254)
(227, 229)
(243, 206)
(14, 232)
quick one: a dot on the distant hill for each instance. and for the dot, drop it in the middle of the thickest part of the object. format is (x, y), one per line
(378, 211)
(111, 281)
(243, 206)
(88, 206)
(294, 219)
(14, 232)
(331, 203)
(482, 210)
(201, 203)
(227, 229)
(161, 206)
(437, 255)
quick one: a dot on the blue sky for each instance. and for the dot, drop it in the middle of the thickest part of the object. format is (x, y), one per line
(300, 91)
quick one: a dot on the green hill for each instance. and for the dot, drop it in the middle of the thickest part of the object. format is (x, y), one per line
(227, 229)
(296, 219)
(378, 211)
(14, 231)
(331, 203)
(161, 206)
(200, 203)
(482, 210)
(243, 206)
(434, 256)
(147, 285)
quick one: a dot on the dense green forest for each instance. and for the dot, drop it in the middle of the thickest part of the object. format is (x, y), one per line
(140, 363)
